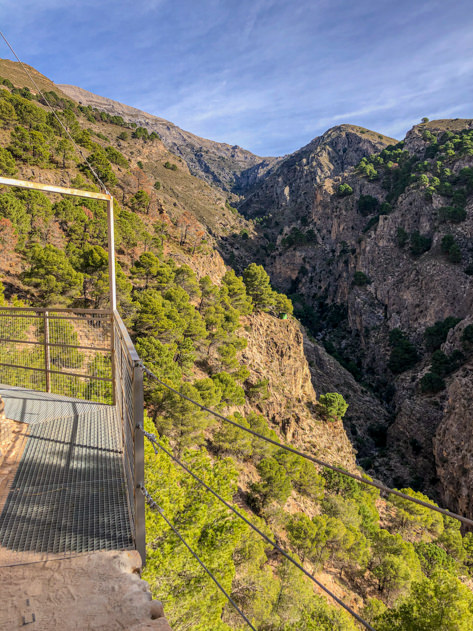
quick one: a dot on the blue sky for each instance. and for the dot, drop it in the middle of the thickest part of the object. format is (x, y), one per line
(268, 75)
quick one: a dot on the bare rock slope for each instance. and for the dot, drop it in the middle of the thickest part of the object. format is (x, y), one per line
(275, 352)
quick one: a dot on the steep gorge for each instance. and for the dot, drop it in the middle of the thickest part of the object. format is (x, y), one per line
(339, 256)
(193, 324)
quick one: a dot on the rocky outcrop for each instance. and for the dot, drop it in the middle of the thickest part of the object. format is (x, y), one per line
(287, 192)
(275, 352)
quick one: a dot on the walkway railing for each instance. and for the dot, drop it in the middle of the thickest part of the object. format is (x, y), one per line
(128, 376)
(85, 354)
(61, 351)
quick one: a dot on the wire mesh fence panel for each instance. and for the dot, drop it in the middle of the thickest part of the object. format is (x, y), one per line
(62, 351)
(124, 401)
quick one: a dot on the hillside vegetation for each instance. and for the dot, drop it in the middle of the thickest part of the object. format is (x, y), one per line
(193, 320)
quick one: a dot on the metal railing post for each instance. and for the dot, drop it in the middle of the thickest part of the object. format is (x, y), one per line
(111, 256)
(47, 359)
(139, 461)
(113, 358)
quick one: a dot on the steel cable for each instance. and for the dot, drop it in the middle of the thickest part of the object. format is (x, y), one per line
(154, 506)
(152, 438)
(321, 463)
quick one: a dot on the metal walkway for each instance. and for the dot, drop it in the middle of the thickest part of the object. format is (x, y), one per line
(69, 492)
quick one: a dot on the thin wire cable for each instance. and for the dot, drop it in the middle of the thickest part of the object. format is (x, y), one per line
(354, 476)
(154, 506)
(153, 440)
(79, 150)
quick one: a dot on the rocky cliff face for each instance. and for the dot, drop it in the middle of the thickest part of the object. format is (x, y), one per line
(276, 352)
(453, 438)
(229, 167)
(322, 238)
(288, 190)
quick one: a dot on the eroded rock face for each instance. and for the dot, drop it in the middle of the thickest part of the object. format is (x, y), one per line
(453, 444)
(275, 352)
(287, 191)
(453, 439)
(365, 413)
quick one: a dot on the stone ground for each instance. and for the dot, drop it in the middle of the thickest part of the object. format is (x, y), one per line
(101, 591)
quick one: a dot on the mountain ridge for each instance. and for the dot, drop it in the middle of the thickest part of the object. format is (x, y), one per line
(216, 162)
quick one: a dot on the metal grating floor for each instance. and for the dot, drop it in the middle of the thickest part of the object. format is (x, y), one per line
(29, 406)
(68, 494)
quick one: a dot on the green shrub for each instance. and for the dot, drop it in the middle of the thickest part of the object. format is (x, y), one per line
(360, 279)
(258, 287)
(7, 163)
(101, 165)
(333, 404)
(116, 157)
(455, 214)
(467, 337)
(402, 237)
(170, 166)
(52, 274)
(275, 485)
(419, 243)
(436, 334)
(140, 201)
(432, 382)
(344, 190)
(141, 132)
(433, 557)
(367, 205)
(443, 364)
(450, 247)
(403, 354)
(29, 146)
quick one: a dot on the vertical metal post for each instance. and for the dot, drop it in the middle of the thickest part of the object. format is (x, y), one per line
(47, 360)
(111, 256)
(139, 464)
(113, 357)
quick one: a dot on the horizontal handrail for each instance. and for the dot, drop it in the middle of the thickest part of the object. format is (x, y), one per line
(50, 188)
(126, 338)
(51, 310)
(56, 344)
(56, 372)
(52, 316)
